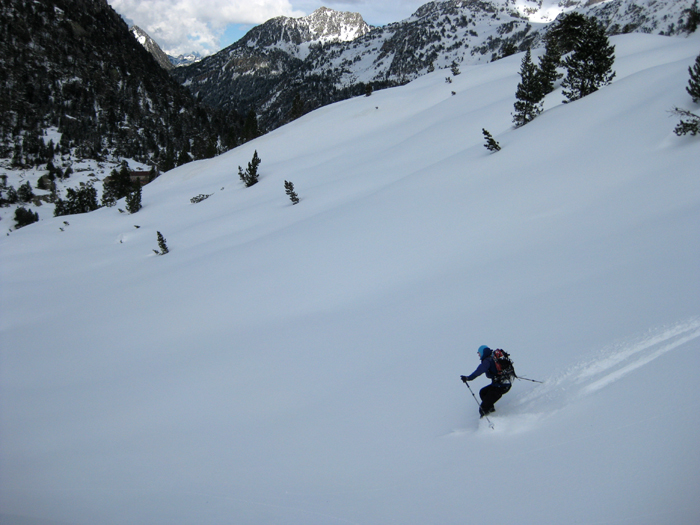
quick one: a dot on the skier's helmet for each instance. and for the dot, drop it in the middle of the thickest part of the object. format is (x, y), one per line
(482, 349)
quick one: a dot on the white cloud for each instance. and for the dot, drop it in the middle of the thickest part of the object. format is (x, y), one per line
(182, 26)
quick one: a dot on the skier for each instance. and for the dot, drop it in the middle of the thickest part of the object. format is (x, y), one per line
(500, 383)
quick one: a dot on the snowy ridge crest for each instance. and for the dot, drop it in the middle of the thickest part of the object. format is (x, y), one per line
(289, 34)
(326, 25)
(329, 55)
(185, 60)
(152, 47)
(643, 16)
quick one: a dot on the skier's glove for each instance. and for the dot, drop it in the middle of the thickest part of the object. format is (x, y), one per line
(464, 379)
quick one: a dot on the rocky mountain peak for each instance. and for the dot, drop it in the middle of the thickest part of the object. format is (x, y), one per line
(328, 25)
(185, 60)
(151, 46)
(322, 26)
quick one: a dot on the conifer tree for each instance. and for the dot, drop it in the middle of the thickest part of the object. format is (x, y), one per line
(529, 92)
(168, 161)
(250, 175)
(133, 200)
(116, 186)
(250, 126)
(161, 244)
(507, 49)
(491, 143)
(689, 124)
(567, 31)
(289, 190)
(297, 108)
(83, 200)
(549, 62)
(693, 20)
(23, 217)
(25, 192)
(10, 196)
(589, 67)
(693, 88)
(183, 158)
(454, 68)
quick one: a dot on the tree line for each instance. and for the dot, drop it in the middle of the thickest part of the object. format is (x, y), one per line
(588, 60)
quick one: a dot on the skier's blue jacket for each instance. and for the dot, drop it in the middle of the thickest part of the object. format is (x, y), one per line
(488, 367)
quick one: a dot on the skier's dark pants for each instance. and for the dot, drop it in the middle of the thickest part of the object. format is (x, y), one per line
(490, 394)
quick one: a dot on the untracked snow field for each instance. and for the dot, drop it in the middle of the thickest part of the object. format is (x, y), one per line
(300, 364)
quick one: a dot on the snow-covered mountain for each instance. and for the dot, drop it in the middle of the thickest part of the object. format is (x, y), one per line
(151, 46)
(619, 16)
(185, 60)
(166, 61)
(273, 65)
(300, 364)
(266, 57)
(322, 26)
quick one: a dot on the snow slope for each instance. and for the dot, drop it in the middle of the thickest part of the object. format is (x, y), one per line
(300, 364)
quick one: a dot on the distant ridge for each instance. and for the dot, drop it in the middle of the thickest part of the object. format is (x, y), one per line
(288, 63)
(184, 60)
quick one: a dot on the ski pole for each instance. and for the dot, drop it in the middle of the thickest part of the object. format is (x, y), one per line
(479, 404)
(526, 379)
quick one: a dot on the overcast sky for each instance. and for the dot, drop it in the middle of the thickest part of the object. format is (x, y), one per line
(206, 26)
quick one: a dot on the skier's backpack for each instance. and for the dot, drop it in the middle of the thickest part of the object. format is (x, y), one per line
(504, 366)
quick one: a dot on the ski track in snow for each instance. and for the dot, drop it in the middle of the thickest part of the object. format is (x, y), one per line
(619, 360)
(588, 377)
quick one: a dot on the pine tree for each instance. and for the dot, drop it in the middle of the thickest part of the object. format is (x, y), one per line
(23, 217)
(567, 31)
(11, 196)
(529, 92)
(133, 200)
(549, 62)
(297, 108)
(117, 186)
(491, 143)
(250, 175)
(289, 190)
(689, 124)
(183, 158)
(250, 126)
(589, 67)
(507, 49)
(161, 244)
(168, 161)
(25, 192)
(83, 200)
(693, 20)
(454, 68)
(693, 88)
